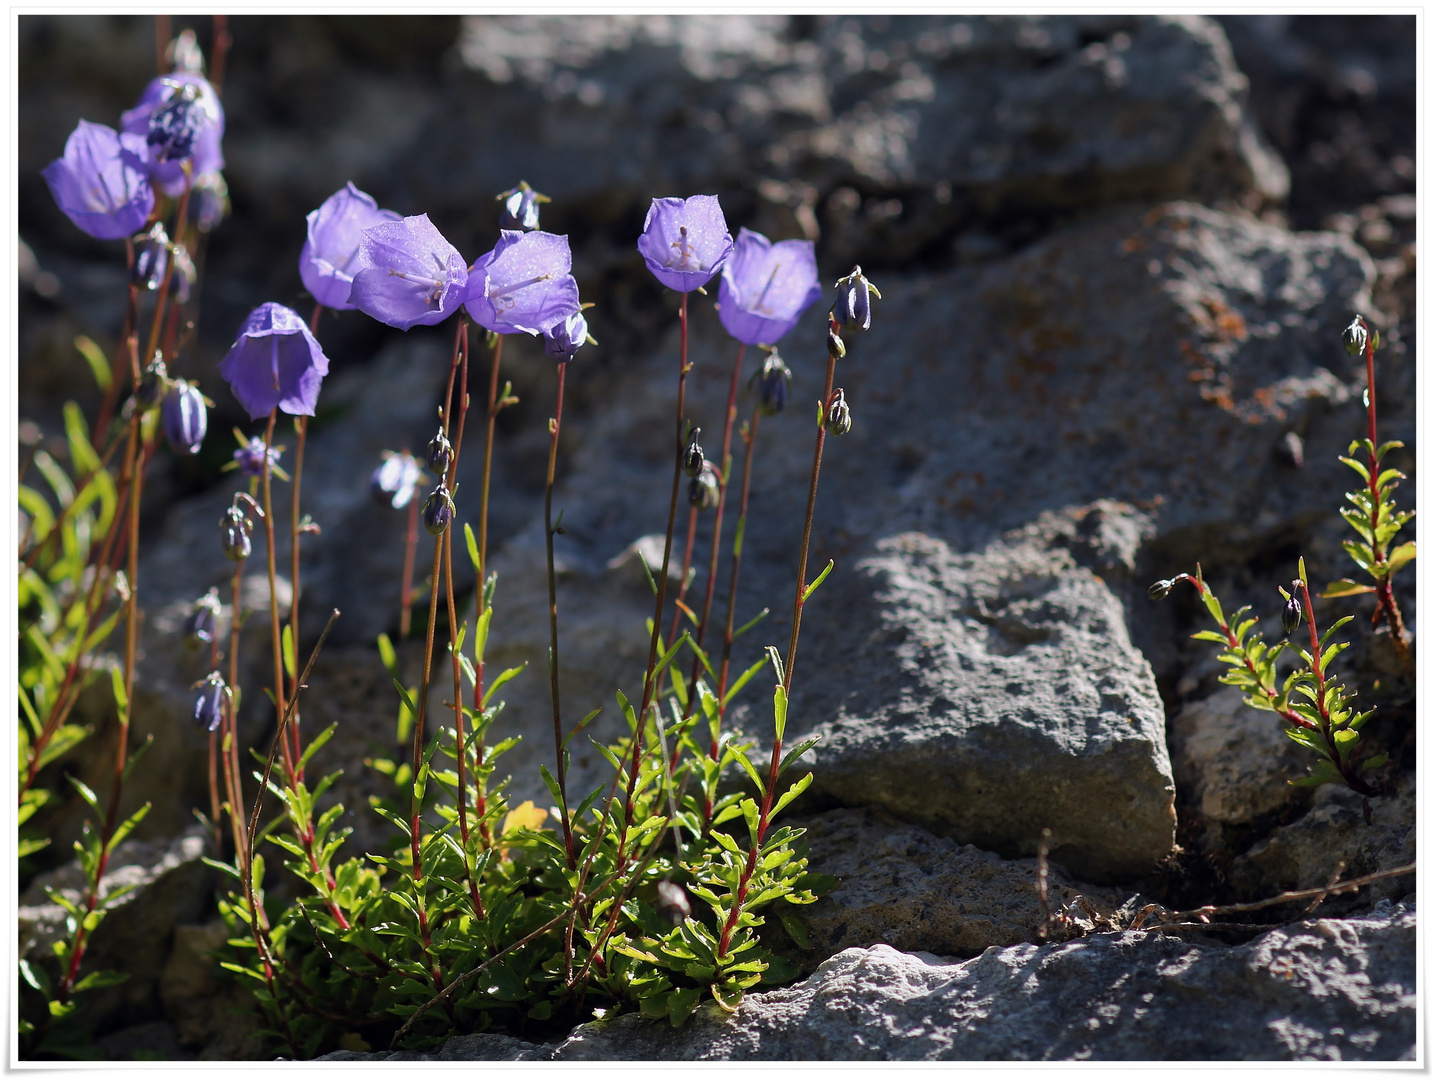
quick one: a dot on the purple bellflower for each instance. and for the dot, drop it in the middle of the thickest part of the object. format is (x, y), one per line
(275, 362)
(211, 697)
(520, 207)
(184, 416)
(408, 275)
(251, 456)
(685, 241)
(160, 113)
(766, 287)
(523, 284)
(397, 480)
(331, 252)
(565, 338)
(101, 182)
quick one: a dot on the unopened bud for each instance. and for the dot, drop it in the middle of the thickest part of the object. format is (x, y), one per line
(153, 383)
(703, 490)
(772, 380)
(203, 618)
(209, 701)
(1161, 589)
(839, 416)
(1293, 611)
(673, 902)
(183, 275)
(234, 529)
(185, 418)
(438, 511)
(1355, 336)
(151, 257)
(693, 456)
(853, 309)
(440, 454)
(835, 346)
(520, 208)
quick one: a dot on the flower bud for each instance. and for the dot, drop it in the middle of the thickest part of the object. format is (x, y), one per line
(520, 208)
(151, 257)
(440, 454)
(693, 455)
(183, 276)
(252, 456)
(184, 416)
(1293, 611)
(566, 338)
(234, 529)
(154, 383)
(175, 125)
(203, 618)
(836, 348)
(184, 54)
(396, 481)
(839, 416)
(210, 701)
(772, 380)
(703, 490)
(853, 309)
(1161, 589)
(673, 902)
(438, 510)
(209, 201)
(1354, 337)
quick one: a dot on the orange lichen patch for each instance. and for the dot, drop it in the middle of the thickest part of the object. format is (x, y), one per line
(1227, 323)
(1133, 244)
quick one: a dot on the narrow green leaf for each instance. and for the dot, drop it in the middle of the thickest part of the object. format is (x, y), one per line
(95, 357)
(508, 674)
(819, 580)
(745, 627)
(388, 656)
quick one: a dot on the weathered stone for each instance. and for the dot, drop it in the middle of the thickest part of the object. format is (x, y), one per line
(1236, 761)
(168, 886)
(1319, 990)
(210, 1013)
(1304, 854)
(901, 886)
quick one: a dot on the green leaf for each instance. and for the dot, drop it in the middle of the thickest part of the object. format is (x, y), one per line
(472, 546)
(797, 751)
(93, 355)
(791, 793)
(745, 627)
(388, 656)
(742, 680)
(1399, 556)
(747, 765)
(779, 709)
(508, 674)
(1346, 587)
(291, 664)
(1374, 763)
(819, 580)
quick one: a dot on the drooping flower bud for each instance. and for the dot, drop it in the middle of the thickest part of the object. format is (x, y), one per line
(703, 490)
(673, 902)
(440, 454)
(520, 208)
(203, 619)
(184, 416)
(853, 309)
(772, 380)
(151, 257)
(175, 125)
(438, 510)
(209, 701)
(234, 530)
(184, 54)
(1293, 612)
(1354, 337)
(839, 416)
(693, 455)
(1161, 589)
(209, 201)
(836, 348)
(154, 383)
(396, 481)
(562, 340)
(183, 276)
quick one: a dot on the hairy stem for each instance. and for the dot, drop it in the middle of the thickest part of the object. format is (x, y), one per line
(554, 427)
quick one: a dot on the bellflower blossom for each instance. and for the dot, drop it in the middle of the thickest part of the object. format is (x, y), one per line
(206, 154)
(766, 287)
(408, 274)
(520, 208)
(397, 480)
(101, 182)
(523, 284)
(331, 251)
(565, 338)
(275, 362)
(685, 241)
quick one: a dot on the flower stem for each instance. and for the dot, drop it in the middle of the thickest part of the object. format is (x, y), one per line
(406, 590)
(797, 601)
(278, 638)
(1352, 781)
(301, 428)
(554, 427)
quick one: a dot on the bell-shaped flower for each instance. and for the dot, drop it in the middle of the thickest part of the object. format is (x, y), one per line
(766, 287)
(523, 284)
(275, 362)
(203, 112)
(563, 339)
(409, 275)
(397, 480)
(520, 207)
(685, 241)
(102, 182)
(331, 251)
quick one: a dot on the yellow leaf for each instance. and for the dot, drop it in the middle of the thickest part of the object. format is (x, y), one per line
(524, 816)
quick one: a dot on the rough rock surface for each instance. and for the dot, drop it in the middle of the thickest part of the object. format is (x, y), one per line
(1319, 990)
(901, 886)
(167, 886)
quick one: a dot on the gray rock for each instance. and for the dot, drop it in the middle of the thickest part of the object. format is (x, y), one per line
(1319, 990)
(213, 1016)
(1304, 854)
(1236, 762)
(168, 886)
(901, 886)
